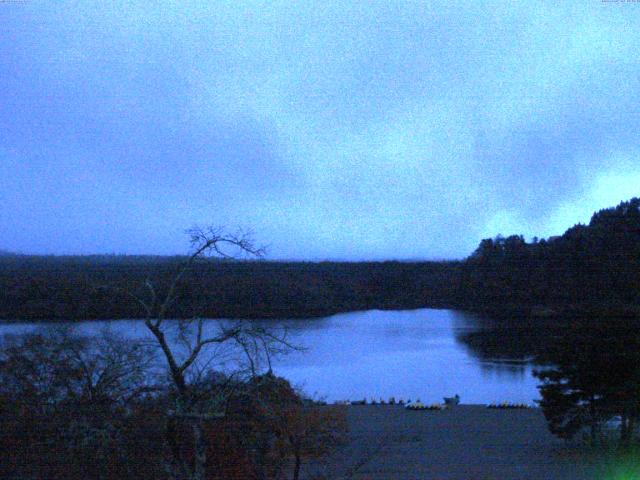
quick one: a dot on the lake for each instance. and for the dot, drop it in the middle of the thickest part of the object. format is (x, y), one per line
(378, 354)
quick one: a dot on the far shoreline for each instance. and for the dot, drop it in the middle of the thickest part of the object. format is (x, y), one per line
(512, 312)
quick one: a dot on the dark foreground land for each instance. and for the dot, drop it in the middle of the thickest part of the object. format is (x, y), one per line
(467, 442)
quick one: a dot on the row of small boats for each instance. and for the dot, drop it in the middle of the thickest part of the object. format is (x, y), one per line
(418, 405)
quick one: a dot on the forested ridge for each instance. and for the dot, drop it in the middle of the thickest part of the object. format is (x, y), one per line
(99, 287)
(592, 268)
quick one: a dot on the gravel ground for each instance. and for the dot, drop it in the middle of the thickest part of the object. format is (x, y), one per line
(466, 442)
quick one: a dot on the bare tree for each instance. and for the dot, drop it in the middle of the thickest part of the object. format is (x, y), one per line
(257, 345)
(57, 365)
(65, 399)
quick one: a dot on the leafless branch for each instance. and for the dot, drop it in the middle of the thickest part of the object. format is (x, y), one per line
(255, 343)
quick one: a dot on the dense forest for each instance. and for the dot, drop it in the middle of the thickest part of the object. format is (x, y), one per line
(98, 287)
(591, 269)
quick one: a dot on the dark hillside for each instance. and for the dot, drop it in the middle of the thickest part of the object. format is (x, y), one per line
(58, 288)
(591, 270)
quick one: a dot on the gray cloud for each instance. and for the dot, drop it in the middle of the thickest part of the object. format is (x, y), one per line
(334, 130)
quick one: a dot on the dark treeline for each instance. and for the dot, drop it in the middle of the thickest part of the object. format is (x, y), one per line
(590, 270)
(34, 287)
(590, 382)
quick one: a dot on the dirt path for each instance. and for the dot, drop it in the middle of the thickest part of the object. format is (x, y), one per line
(467, 442)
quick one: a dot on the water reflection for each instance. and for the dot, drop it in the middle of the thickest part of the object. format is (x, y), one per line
(426, 354)
(507, 342)
(502, 369)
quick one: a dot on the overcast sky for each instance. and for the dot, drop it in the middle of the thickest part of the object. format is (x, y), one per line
(333, 130)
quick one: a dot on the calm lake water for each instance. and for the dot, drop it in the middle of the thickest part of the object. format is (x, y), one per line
(378, 354)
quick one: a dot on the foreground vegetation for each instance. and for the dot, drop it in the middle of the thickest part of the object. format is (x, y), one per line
(591, 384)
(82, 407)
(75, 407)
(591, 270)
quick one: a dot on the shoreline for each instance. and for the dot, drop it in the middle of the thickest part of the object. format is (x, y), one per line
(535, 313)
(464, 442)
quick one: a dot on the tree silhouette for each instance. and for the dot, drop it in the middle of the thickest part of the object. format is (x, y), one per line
(594, 377)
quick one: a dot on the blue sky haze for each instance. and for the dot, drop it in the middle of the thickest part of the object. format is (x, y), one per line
(334, 130)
